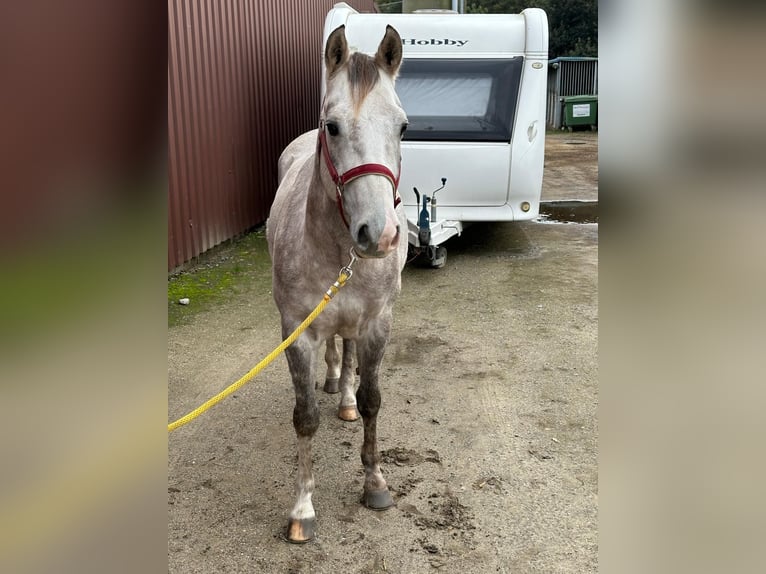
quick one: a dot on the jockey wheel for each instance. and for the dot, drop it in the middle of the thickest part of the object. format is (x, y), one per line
(437, 255)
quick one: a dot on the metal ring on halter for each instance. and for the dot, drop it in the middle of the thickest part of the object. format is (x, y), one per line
(347, 269)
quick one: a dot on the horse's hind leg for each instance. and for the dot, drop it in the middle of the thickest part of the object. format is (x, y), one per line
(332, 358)
(302, 522)
(347, 408)
(341, 376)
(371, 349)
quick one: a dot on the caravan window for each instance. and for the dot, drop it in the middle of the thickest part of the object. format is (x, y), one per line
(459, 100)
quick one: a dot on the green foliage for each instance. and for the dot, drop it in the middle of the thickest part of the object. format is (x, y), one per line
(573, 28)
(495, 6)
(573, 23)
(390, 6)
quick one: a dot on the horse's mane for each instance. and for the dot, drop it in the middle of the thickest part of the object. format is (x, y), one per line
(362, 75)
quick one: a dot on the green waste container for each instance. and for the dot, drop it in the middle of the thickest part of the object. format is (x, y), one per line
(580, 111)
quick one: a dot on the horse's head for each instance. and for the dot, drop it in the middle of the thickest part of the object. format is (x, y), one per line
(362, 123)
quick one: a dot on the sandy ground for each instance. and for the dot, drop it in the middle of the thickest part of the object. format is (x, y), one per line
(488, 428)
(571, 166)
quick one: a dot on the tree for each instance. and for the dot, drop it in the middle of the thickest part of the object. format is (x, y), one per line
(573, 24)
(573, 28)
(390, 6)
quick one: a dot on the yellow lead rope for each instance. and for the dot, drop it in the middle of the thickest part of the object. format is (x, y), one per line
(345, 275)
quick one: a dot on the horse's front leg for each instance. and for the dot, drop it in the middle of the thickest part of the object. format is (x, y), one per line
(370, 354)
(302, 523)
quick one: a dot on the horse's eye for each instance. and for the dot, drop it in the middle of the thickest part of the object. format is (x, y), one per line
(332, 129)
(404, 129)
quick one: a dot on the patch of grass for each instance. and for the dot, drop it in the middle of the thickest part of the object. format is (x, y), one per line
(231, 269)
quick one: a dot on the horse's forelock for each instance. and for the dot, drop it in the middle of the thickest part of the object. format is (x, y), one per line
(362, 75)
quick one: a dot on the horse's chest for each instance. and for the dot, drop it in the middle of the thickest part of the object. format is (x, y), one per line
(353, 311)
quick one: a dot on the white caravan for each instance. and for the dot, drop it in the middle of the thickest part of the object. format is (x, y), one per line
(473, 87)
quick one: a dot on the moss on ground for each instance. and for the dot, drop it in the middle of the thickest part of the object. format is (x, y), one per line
(231, 269)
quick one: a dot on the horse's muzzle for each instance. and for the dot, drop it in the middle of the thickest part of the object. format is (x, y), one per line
(367, 245)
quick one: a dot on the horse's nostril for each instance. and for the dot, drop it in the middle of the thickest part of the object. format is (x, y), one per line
(363, 237)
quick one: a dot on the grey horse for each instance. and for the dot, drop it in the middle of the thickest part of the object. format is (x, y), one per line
(338, 195)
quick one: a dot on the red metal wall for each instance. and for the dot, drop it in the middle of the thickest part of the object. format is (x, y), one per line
(243, 81)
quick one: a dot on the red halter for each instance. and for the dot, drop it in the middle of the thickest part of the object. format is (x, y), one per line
(340, 181)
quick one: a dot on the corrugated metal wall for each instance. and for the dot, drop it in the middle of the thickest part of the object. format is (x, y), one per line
(243, 81)
(569, 77)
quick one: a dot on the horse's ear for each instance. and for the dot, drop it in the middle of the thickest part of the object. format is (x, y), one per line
(389, 55)
(336, 50)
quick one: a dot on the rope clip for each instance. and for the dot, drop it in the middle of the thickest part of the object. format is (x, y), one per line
(347, 269)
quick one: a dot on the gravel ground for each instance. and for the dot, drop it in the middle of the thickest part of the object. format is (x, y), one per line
(488, 429)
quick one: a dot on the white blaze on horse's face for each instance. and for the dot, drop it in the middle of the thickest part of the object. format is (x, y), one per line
(364, 122)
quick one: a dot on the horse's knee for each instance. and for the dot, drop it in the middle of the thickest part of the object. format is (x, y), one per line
(368, 400)
(305, 419)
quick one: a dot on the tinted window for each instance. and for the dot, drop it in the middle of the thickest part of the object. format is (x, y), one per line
(462, 100)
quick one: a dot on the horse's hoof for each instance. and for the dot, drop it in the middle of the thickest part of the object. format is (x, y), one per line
(300, 531)
(378, 499)
(331, 386)
(348, 413)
